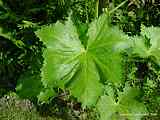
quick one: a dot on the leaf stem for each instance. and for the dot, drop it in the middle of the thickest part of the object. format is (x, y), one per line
(120, 5)
(97, 9)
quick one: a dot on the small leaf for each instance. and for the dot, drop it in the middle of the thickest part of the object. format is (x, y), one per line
(45, 95)
(5, 34)
(29, 85)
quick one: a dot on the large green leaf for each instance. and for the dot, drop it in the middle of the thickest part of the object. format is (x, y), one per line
(69, 65)
(127, 106)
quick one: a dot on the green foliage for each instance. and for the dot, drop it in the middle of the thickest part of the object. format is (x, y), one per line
(44, 96)
(127, 106)
(67, 64)
(28, 85)
(147, 45)
(144, 56)
(5, 35)
(84, 10)
(82, 57)
(134, 13)
(18, 20)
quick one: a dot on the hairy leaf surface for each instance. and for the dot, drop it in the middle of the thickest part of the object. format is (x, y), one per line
(69, 65)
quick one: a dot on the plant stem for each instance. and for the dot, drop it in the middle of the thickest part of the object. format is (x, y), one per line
(97, 9)
(120, 5)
